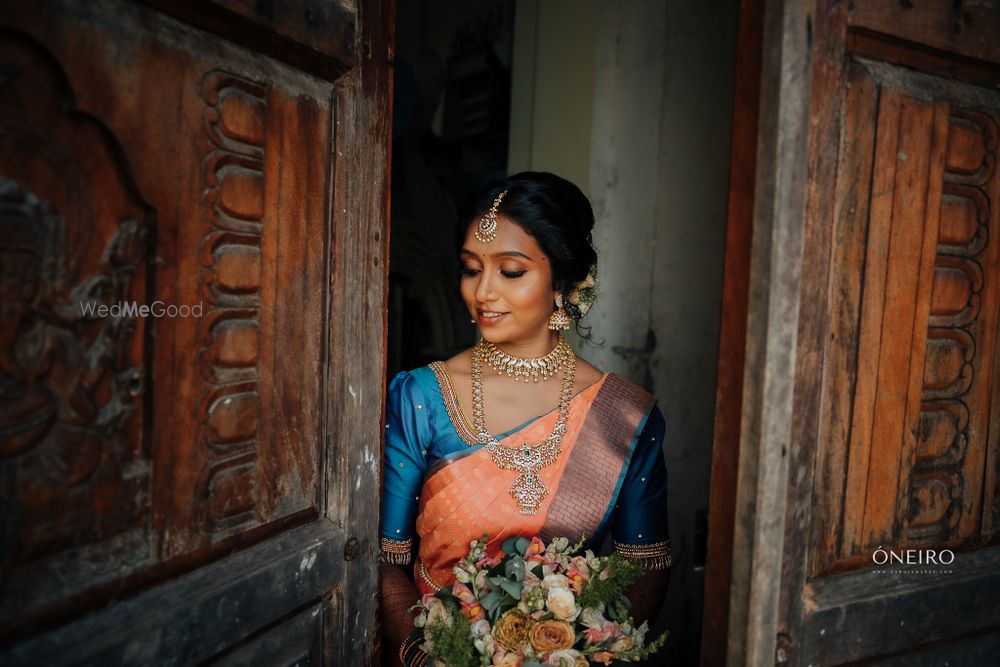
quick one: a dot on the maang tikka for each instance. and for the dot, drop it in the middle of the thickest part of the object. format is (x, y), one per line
(486, 230)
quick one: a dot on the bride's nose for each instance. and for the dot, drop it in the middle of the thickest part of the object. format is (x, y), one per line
(486, 289)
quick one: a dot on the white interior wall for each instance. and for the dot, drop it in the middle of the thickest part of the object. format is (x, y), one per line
(654, 158)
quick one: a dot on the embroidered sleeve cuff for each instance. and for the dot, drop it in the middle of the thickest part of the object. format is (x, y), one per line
(396, 552)
(410, 653)
(655, 556)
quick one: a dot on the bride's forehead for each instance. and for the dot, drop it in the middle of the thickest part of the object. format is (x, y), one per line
(510, 236)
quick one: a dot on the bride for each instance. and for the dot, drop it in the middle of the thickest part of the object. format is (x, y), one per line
(517, 435)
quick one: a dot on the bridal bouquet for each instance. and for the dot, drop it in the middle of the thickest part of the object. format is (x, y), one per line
(535, 604)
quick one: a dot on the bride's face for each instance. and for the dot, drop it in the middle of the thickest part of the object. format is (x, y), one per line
(507, 284)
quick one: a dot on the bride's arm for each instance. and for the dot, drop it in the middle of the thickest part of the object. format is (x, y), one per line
(647, 595)
(398, 595)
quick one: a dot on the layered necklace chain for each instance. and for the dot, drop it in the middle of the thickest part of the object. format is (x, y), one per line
(541, 368)
(528, 489)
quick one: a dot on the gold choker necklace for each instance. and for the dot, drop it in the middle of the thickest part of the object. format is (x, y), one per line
(527, 460)
(540, 368)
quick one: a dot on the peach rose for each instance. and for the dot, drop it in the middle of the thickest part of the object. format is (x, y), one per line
(509, 660)
(548, 636)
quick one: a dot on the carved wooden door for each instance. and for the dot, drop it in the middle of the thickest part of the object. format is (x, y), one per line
(903, 557)
(193, 201)
(867, 522)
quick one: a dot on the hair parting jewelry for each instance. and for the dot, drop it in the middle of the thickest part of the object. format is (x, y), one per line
(486, 230)
(528, 489)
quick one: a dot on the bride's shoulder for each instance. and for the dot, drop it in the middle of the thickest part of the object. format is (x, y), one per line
(586, 373)
(460, 364)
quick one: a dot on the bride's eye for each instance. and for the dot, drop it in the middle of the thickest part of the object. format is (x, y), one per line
(513, 274)
(468, 271)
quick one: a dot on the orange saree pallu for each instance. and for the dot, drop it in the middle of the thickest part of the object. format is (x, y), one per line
(465, 494)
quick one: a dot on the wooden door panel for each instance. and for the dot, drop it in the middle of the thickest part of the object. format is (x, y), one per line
(226, 607)
(915, 331)
(166, 165)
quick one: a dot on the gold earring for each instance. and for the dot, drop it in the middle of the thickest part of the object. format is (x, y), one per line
(559, 320)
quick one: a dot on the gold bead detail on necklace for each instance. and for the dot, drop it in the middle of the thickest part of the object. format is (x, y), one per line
(539, 368)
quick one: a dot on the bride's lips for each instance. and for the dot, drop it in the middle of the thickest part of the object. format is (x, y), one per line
(488, 318)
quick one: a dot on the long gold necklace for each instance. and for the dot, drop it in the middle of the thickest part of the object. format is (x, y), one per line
(541, 368)
(528, 489)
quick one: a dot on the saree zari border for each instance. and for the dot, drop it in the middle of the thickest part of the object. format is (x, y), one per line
(426, 576)
(655, 556)
(451, 404)
(396, 552)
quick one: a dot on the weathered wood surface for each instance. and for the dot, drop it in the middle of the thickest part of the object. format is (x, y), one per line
(196, 616)
(315, 37)
(773, 303)
(732, 337)
(357, 332)
(870, 613)
(906, 422)
(895, 426)
(962, 28)
(164, 163)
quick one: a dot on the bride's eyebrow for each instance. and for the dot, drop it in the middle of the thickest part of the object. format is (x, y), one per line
(502, 253)
(511, 253)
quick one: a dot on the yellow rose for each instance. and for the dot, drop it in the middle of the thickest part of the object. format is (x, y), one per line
(548, 636)
(512, 629)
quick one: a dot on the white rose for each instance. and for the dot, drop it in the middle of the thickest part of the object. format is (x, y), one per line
(592, 618)
(555, 581)
(564, 656)
(562, 604)
(480, 628)
(436, 611)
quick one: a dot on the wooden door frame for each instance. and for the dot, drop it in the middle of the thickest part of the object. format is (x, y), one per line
(750, 467)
